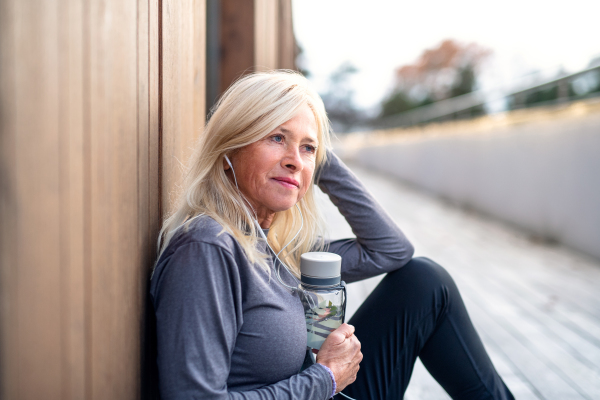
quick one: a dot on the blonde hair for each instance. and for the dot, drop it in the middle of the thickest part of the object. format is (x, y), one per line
(249, 110)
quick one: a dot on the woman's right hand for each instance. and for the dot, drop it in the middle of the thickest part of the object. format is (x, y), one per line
(341, 354)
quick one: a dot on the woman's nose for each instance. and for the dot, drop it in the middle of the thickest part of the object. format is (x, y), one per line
(292, 159)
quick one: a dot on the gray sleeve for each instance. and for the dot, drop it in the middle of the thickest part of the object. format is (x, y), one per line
(197, 299)
(379, 246)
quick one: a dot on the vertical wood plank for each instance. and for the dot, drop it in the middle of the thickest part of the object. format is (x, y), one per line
(199, 65)
(213, 51)
(148, 204)
(172, 101)
(154, 104)
(114, 218)
(38, 298)
(183, 43)
(237, 40)
(71, 198)
(43, 355)
(143, 138)
(287, 42)
(266, 32)
(149, 381)
(9, 353)
(87, 197)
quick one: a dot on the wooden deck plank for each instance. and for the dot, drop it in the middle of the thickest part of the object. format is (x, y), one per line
(535, 336)
(557, 281)
(568, 314)
(580, 346)
(547, 382)
(536, 306)
(581, 372)
(520, 387)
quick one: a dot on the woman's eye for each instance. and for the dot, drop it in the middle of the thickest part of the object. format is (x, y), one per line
(309, 148)
(277, 138)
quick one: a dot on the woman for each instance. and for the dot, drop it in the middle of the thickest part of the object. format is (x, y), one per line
(229, 322)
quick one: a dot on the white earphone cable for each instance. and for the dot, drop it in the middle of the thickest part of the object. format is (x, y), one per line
(277, 254)
(260, 231)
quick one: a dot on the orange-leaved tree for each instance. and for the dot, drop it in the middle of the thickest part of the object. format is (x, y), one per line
(447, 70)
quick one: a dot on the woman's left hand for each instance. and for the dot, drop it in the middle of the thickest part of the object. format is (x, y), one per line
(341, 354)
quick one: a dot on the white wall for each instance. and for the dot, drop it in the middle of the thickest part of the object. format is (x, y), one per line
(542, 176)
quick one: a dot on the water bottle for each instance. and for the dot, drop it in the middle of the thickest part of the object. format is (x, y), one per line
(323, 295)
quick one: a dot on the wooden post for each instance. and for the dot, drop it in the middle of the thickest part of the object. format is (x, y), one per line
(266, 29)
(287, 48)
(237, 52)
(255, 35)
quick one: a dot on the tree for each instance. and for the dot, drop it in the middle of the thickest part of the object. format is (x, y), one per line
(301, 61)
(397, 102)
(339, 98)
(447, 70)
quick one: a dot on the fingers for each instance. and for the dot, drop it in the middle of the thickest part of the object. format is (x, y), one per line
(344, 335)
(341, 353)
(347, 330)
(343, 332)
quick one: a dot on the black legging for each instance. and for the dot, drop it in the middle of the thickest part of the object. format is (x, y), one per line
(417, 311)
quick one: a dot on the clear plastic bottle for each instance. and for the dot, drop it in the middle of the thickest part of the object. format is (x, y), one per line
(323, 295)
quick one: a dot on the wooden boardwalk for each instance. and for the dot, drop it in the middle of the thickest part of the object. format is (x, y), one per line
(536, 305)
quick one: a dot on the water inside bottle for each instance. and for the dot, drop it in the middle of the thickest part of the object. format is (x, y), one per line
(321, 321)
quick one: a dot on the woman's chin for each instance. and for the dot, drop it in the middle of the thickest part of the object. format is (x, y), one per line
(285, 208)
(284, 201)
(284, 205)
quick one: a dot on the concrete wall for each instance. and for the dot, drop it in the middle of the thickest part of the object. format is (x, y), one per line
(541, 175)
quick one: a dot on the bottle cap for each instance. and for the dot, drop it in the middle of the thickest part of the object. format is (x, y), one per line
(320, 268)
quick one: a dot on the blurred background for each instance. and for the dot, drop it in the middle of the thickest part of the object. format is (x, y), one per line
(389, 57)
(475, 124)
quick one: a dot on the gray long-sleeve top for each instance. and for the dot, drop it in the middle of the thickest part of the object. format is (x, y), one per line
(226, 330)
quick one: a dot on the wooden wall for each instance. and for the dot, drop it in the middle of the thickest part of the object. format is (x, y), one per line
(255, 35)
(287, 50)
(275, 45)
(266, 14)
(100, 104)
(183, 81)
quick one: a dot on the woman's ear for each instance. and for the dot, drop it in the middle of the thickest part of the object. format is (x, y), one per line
(226, 163)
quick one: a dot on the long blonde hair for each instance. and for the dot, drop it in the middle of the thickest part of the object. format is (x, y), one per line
(248, 111)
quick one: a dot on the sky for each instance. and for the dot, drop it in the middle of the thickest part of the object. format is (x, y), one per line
(378, 36)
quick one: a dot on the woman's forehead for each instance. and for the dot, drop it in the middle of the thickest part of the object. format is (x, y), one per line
(303, 123)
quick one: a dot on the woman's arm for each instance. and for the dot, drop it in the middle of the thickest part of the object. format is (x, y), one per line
(380, 246)
(198, 304)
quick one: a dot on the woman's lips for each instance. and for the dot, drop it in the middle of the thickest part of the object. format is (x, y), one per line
(288, 182)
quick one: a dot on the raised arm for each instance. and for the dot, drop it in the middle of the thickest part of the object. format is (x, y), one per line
(198, 303)
(380, 246)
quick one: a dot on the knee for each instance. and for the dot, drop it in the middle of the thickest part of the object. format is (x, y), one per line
(423, 278)
(425, 271)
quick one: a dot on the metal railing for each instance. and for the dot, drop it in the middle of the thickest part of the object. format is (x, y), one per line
(563, 89)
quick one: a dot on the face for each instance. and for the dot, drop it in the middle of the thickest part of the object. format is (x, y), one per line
(275, 172)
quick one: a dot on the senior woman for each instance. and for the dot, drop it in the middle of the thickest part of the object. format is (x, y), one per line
(229, 323)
